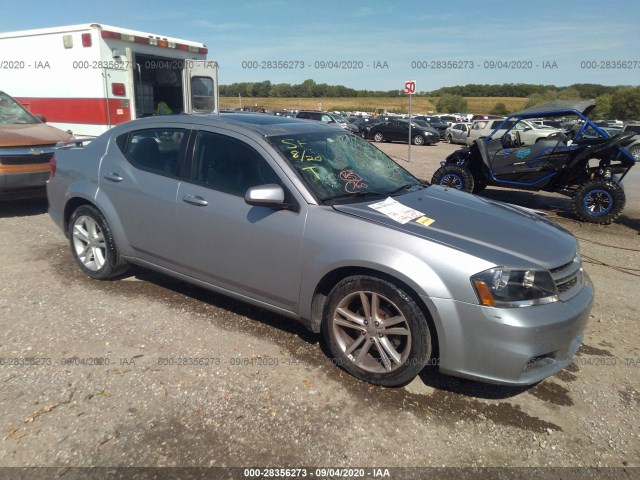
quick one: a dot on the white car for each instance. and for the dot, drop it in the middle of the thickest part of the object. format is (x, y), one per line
(529, 132)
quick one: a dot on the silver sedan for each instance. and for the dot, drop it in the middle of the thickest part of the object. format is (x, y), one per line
(320, 226)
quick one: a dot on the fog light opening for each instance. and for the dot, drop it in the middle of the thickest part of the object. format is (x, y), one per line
(538, 362)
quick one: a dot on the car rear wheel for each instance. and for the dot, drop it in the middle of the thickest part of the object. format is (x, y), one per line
(92, 244)
(454, 176)
(418, 140)
(636, 153)
(376, 331)
(598, 201)
(378, 137)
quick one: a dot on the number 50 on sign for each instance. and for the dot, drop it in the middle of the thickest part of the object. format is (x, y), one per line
(410, 87)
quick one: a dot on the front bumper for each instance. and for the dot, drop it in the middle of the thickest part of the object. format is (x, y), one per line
(510, 346)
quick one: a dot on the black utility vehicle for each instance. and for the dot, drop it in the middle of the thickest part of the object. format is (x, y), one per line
(589, 170)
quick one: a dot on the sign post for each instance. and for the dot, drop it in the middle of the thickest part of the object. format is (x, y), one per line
(409, 89)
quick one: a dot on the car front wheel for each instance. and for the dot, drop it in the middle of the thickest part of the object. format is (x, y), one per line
(378, 137)
(454, 176)
(92, 244)
(598, 201)
(418, 140)
(376, 331)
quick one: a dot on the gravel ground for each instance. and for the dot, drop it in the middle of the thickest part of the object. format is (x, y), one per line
(107, 389)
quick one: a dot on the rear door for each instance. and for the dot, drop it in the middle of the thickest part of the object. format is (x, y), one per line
(200, 80)
(139, 177)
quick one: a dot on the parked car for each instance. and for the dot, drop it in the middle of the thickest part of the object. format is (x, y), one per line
(327, 117)
(398, 131)
(633, 143)
(529, 132)
(547, 123)
(589, 170)
(26, 147)
(321, 227)
(435, 122)
(364, 125)
(457, 133)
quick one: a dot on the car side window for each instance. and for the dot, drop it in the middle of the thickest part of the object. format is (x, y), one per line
(154, 149)
(326, 119)
(229, 165)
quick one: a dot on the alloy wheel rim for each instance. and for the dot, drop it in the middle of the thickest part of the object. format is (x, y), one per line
(372, 332)
(451, 180)
(89, 243)
(598, 202)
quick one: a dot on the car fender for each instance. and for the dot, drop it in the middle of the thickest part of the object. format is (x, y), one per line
(389, 262)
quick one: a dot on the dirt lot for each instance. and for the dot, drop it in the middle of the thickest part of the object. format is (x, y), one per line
(93, 373)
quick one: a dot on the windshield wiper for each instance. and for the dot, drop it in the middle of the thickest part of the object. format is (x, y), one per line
(406, 186)
(353, 195)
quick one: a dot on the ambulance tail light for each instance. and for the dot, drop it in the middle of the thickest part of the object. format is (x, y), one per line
(118, 89)
(86, 40)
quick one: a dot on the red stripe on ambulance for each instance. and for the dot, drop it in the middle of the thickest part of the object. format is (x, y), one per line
(90, 111)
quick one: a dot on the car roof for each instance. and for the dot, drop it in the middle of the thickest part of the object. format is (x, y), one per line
(267, 125)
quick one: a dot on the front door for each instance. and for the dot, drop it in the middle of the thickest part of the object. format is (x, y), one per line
(253, 251)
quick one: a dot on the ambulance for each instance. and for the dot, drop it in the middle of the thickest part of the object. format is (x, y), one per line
(88, 78)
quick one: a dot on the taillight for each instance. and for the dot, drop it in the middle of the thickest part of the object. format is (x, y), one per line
(118, 89)
(53, 163)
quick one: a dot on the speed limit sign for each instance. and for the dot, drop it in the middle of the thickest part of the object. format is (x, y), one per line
(410, 87)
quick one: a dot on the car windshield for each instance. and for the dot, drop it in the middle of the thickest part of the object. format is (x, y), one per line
(339, 119)
(11, 112)
(338, 165)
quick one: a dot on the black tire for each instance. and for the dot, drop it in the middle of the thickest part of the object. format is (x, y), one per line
(378, 137)
(358, 341)
(93, 246)
(479, 186)
(418, 140)
(449, 139)
(598, 201)
(454, 176)
(635, 152)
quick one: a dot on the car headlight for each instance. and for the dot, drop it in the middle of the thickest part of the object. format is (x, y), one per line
(504, 287)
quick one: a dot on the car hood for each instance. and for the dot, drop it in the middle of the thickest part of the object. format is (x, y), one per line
(24, 135)
(497, 232)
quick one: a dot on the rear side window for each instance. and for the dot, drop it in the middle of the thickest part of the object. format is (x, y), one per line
(155, 149)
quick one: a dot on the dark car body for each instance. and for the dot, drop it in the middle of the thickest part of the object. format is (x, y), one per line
(397, 130)
(587, 168)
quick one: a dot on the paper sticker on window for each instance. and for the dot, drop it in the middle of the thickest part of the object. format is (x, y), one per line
(425, 221)
(396, 211)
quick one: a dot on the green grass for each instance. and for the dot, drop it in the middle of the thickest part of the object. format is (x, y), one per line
(420, 104)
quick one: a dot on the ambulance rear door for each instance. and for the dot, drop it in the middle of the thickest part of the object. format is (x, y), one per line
(200, 80)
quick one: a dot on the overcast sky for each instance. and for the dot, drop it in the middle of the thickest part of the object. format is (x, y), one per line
(407, 40)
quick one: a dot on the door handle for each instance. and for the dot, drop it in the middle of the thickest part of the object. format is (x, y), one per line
(195, 200)
(114, 177)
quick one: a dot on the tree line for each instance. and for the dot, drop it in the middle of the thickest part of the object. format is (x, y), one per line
(306, 89)
(620, 102)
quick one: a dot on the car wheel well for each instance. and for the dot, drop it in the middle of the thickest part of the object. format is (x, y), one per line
(332, 278)
(70, 207)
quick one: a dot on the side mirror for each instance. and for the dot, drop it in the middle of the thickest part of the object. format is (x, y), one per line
(270, 195)
(40, 117)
